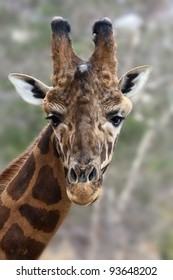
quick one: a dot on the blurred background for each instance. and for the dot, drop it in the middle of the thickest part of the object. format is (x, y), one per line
(134, 217)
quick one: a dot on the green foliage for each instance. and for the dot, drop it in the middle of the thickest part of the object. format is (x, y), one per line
(42, 39)
(3, 11)
(166, 245)
(49, 9)
(132, 132)
(4, 84)
(20, 128)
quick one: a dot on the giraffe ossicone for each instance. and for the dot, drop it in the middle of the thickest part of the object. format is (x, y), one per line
(86, 105)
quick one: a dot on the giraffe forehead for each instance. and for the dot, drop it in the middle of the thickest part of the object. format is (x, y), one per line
(88, 93)
(71, 99)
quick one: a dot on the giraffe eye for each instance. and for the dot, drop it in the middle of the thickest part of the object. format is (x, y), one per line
(55, 120)
(116, 120)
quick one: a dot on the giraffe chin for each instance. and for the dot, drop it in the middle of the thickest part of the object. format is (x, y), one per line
(83, 194)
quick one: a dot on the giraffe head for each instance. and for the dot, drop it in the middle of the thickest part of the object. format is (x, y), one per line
(86, 105)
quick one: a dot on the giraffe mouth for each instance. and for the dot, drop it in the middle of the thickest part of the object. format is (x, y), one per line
(83, 193)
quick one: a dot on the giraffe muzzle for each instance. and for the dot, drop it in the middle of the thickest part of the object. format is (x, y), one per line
(83, 184)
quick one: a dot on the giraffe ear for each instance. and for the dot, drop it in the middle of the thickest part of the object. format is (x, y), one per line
(134, 80)
(30, 89)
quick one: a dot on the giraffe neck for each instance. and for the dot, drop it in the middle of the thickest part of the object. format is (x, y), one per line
(13, 168)
(34, 204)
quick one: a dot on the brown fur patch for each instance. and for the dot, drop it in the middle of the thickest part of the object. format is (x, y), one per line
(40, 219)
(109, 148)
(9, 173)
(19, 247)
(4, 214)
(46, 187)
(20, 183)
(65, 150)
(103, 154)
(43, 144)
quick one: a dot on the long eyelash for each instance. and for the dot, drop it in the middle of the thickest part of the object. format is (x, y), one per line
(56, 114)
(112, 113)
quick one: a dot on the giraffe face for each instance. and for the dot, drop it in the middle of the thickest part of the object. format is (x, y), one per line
(86, 125)
(86, 106)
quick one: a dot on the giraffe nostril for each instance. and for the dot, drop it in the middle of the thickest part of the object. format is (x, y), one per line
(93, 174)
(73, 176)
(82, 175)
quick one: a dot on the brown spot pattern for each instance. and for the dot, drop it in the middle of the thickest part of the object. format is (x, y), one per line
(46, 187)
(19, 247)
(109, 148)
(103, 154)
(20, 183)
(40, 219)
(43, 144)
(4, 215)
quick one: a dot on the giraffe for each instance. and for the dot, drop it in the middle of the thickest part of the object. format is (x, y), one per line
(85, 105)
